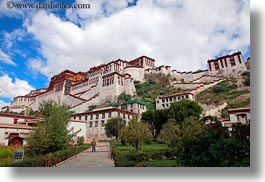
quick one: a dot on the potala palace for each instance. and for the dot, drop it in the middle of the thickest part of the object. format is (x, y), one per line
(104, 83)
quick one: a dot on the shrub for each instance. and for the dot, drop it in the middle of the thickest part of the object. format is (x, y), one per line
(247, 81)
(6, 155)
(134, 158)
(218, 89)
(80, 141)
(41, 160)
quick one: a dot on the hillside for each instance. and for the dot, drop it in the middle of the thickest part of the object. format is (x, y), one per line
(154, 86)
(235, 92)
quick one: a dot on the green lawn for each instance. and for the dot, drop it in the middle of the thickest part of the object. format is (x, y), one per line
(160, 163)
(145, 147)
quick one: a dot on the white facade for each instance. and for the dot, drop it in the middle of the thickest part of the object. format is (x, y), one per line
(163, 102)
(14, 128)
(78, 126)
(134, 106)
(241, 115)
(136, 73)
(99, 85)
(95, 120)
(229, 65)
(238, 115)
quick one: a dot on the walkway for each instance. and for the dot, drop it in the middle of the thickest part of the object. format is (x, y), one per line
(100, 158)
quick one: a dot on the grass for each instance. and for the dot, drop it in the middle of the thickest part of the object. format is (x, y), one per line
(223, 91)
(160, 163)
(145, 147)
(238, 104)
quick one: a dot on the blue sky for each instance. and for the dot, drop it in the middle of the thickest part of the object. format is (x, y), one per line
(35, 44)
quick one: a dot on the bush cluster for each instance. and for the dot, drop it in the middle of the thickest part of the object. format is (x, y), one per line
(41, 160)
(134, 158)
(6, 155)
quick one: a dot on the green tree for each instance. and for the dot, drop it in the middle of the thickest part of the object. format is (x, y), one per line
(214, 147)
(113, 126)
(170, 133)
(51, 134)
(155, 120)
(136, 133)
(123, 97)
(184, 109)
(178, 111)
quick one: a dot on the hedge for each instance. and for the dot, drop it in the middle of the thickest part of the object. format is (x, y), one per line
(41, 160)
(134, 158)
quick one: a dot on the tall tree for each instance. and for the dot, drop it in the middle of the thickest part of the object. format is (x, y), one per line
(113, 126)
(170, 133)
(184, 109)
(178, 111)
(136, 133)
(52, 133)
(155, 120)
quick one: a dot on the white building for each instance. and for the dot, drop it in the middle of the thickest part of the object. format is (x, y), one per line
(96, 119)
(238, 115)
(100, 84)
(163, 102)
(15, 128)
(228, 65)
(135, 106)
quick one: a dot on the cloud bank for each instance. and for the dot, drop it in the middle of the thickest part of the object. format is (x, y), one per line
(183, 34)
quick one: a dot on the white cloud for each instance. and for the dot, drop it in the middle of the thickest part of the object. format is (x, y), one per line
(10, 88)
(13, 12)
(99, 9)
(11, 38)
(3, 104)
(5, 58)
(183, 34)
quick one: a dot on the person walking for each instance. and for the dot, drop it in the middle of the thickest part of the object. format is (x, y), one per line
(93, 144)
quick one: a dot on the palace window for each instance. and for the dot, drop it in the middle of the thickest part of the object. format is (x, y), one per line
(91, 116)
(216, 65)
(80, 117)
(90, 124)
(239, 59)
(85, 117)
(232, 61)
(15, 121)
(97, 116)
(109, 114)
(102, 123)
(225, 63)
(103, 115)
(96, 124)
(222, 64)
